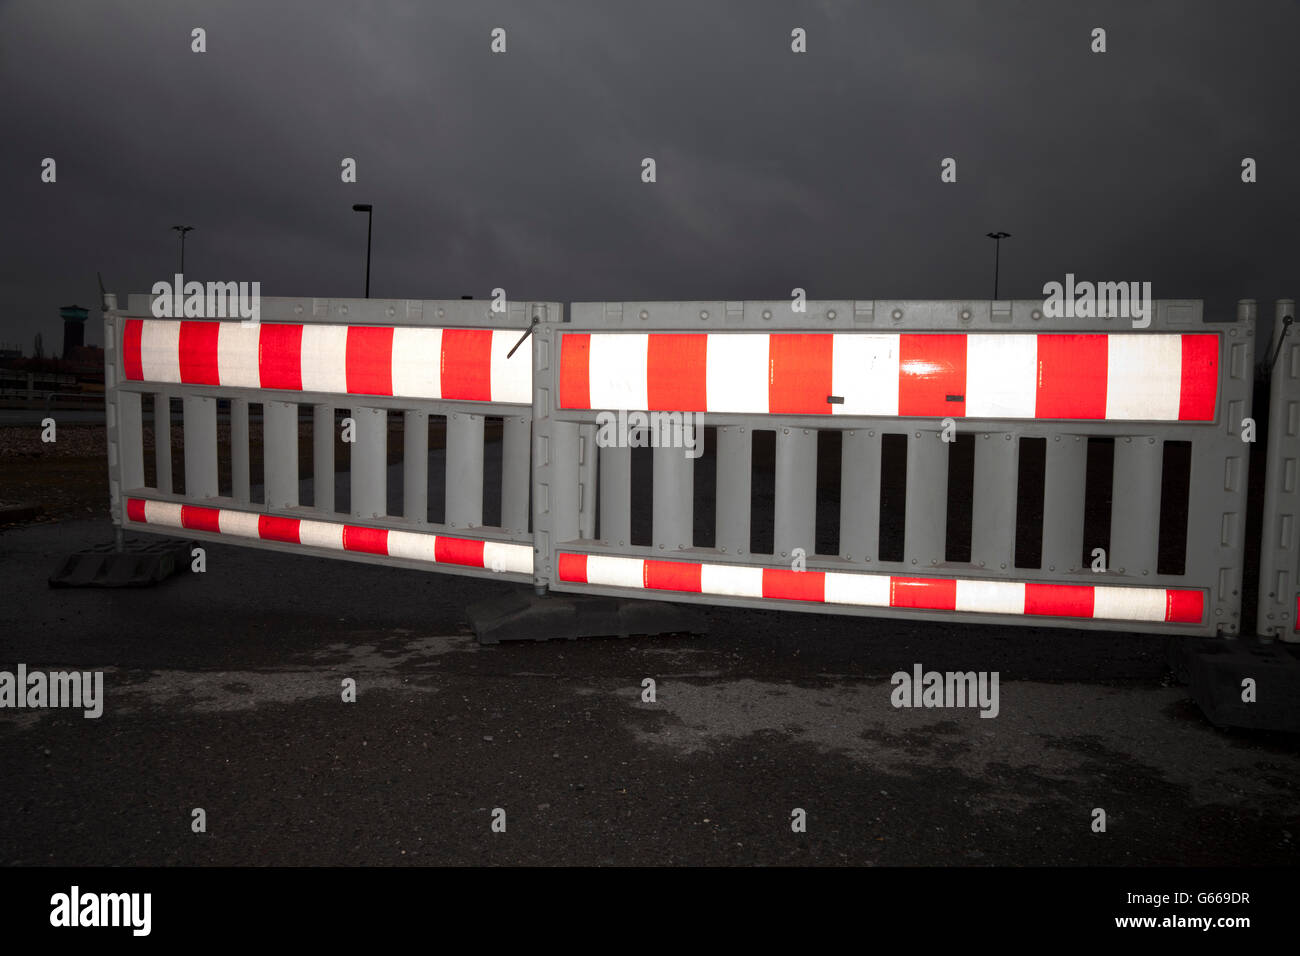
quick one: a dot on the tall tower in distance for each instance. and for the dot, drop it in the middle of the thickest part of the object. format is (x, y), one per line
(74, 328)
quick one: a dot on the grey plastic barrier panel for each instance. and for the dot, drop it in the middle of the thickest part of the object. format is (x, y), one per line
(1279, 561)
(370, 482)
(1216, 485)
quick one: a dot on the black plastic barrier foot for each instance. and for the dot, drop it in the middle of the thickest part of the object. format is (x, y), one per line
(523, 616)
(1244, 683)
(138, 564)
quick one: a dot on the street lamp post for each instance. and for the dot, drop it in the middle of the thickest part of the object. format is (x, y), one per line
(368, 209)
(182, 230)
(997, 237)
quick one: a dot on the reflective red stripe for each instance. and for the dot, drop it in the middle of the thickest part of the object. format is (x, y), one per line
(934, 594)
(132, 366)
(197, 518)
(1059, 600)
(676, 373)
(1184, 607)
(1072, 375)
(931, 375)
(271, 528)
(572, 567)
(672, 576)
(799, 373)
(134, 509)
(198, 353)
(279, 359)
(369, 540)
(458, 551)
(794, 585)
(370, 360)
(467, 364)
(1200, 379)
(575, 370)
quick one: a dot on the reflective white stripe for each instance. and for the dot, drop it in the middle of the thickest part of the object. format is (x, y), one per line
(160, 351)
(237, 355)
(864, 372)
(242, 524)
(1129, 604)
(511, 377)
(991, 597)
(731, 579)
(417, 363)
(871, 590)
(324, 358)
(1144, 376)
(498, 556)
(1001, 376)
(737, 373)
(321, 534)
(412, 546)
(617, 371)
(615, 572)
(164, 513)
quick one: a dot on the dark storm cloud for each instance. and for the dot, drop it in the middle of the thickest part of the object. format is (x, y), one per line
(523, 170)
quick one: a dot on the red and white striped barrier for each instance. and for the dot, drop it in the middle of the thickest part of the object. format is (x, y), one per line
(404, 362)
(884, 590)
(1118, 377)
(411, 545)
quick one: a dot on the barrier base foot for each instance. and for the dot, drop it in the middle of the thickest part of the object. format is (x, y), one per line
(523, 616)
(137, 564)
(1215, 669)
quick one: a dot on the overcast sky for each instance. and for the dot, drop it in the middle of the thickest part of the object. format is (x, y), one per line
(523, 170)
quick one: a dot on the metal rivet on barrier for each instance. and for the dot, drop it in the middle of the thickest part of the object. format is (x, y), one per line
(391, 310)
(1151, 441)
(1035, 315)
(965, 314)
(1004, 565)
(830, 314)
(897, 314)
(981, 564)
(767, 313)
(918, 434)
(1051, 567)
(1145, 571)
(298, 308)
(914, 560)
(805, 431)
(442, 313)
(704, 315)
(661, 547)
(871, 433)
(785, 431)
(1008, 437)
(645, 314)
(344, 310)
(1127, 439)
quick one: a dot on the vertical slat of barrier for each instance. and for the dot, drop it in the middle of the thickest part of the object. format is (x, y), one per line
(415, 465)
(515, 477)
(130, 440)
(162, 441)
(735, 475)
(200, 423)
(796, 491)
(563, 491)
(674, 499)
(280, 454)
(1135, 506)
(370, 463)
(1063, 490)
(322, 457)
(587, 480)
(616, 495)
(465, 470)
(860, 495)
(927, 499)
(239, 482)
(993, 509)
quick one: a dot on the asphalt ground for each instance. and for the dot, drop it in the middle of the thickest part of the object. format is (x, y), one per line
(223, 692)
